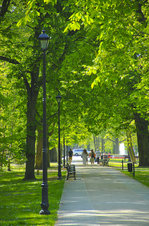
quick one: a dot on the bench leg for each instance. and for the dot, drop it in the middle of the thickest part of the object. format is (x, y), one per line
(67, 175)
(74, 175)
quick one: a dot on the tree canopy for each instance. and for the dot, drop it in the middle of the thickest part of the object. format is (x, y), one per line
(97, 58)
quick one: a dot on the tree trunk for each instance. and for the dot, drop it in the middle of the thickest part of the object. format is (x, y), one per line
(9, 169)
(103, 144)
(32, 88)
(143, 140)
(98, 143)
(116, 146)
(131, 154)
(94, 140)
(31, 137)
(53, 155)
(39, 149)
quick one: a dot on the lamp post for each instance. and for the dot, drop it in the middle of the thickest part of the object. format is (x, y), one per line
(44, 38)
(64, 150)
(66, 154)
(59, 148)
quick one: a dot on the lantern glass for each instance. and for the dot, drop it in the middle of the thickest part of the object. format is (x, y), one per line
(44, 40)
(44, 43)
(58, 98)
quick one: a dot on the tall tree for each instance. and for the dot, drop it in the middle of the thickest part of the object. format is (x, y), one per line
(24, 58)
(121, 59)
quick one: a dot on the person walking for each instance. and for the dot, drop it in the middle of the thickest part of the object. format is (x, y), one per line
(92, 157)
(70, 154)
(84, 157)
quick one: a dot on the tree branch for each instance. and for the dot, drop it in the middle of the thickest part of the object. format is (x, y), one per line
(111, 140)
(141, 17)
(51, 132)
(4, 8)
(26, 83)
(122, 141)
(12, 61)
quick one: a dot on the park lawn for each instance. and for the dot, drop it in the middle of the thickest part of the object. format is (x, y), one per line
(117, 163)
(141, 173)
(20, 200)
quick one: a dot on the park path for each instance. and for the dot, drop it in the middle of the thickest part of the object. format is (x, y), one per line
(103, 196)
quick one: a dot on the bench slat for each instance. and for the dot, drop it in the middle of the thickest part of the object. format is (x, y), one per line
(71, 171)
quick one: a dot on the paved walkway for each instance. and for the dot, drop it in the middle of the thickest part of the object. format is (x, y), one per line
(103, 196)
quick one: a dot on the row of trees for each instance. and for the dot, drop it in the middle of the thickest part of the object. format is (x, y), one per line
(97, 58)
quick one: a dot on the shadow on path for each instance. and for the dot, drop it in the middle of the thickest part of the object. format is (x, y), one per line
(103, 196)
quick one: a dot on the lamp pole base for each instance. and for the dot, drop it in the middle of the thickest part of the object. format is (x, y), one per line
(44, 212)
(45, 203)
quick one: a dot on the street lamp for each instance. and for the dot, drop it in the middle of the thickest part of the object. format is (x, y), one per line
(58, 98)
(44, 38)
(64, 150)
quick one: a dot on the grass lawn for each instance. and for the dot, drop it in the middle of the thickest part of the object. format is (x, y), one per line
(20, 200)
(141, 173)
(117, 163)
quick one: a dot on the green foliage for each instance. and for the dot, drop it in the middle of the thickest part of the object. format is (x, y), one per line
(119, 63)
(97, 58)
(12, 134)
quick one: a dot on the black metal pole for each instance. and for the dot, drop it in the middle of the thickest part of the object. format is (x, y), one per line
(133, 165)
(64, 150)
(122, 165)
(45, 203)
(66, 154)
(59, 148)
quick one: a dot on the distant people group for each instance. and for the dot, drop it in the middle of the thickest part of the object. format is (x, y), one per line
(88, 155)
(85, 155)
(92, 156)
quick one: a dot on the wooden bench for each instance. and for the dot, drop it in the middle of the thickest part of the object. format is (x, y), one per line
(105, 162)
(71, 171)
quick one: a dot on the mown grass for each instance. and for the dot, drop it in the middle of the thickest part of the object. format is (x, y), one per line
(20, 200)
(141, 173)
(117, 163)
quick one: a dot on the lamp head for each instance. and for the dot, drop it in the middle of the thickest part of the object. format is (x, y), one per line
(58, 98)
(44, 40)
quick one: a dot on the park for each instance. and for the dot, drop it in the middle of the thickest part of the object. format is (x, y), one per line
(73, 75)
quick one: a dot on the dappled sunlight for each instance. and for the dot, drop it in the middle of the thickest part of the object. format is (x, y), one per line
(21, 199)
(103, 196)
(105, 217)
